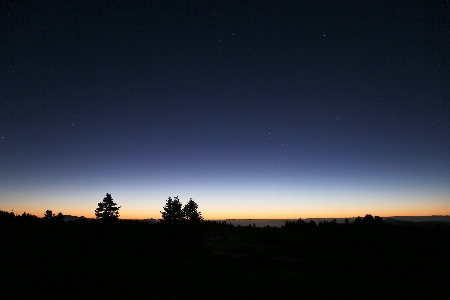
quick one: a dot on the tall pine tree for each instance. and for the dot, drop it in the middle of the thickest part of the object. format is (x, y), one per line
(173, 213)
(191, 212)
(107, 209)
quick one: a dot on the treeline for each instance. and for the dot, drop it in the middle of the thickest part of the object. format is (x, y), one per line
(182, 226)
(84, 256)
(368, 230)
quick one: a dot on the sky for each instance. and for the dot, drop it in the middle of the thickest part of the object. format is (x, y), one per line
(278, 110)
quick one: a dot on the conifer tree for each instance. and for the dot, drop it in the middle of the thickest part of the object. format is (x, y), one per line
(107, 209)
(190, 212)
(173, 212)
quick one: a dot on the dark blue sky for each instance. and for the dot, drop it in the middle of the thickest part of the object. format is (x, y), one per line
(255, 110)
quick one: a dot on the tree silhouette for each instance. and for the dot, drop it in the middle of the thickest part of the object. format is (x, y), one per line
(107, 209)
(59, 216)
(190, 212)
(48, 215)
(173, 213)
(368, 218)
(4, 215)
(181, 225)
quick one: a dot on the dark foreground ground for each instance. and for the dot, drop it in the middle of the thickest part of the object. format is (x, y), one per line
(216, 261)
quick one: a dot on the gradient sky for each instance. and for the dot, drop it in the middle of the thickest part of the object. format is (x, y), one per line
(254, 110)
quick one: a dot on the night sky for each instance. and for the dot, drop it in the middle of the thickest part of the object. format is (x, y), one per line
(253, 109)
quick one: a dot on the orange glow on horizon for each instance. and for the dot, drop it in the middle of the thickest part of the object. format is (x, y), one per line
(255, 217)
(212, 213)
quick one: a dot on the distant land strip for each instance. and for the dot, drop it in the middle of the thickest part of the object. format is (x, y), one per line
(281, 222)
